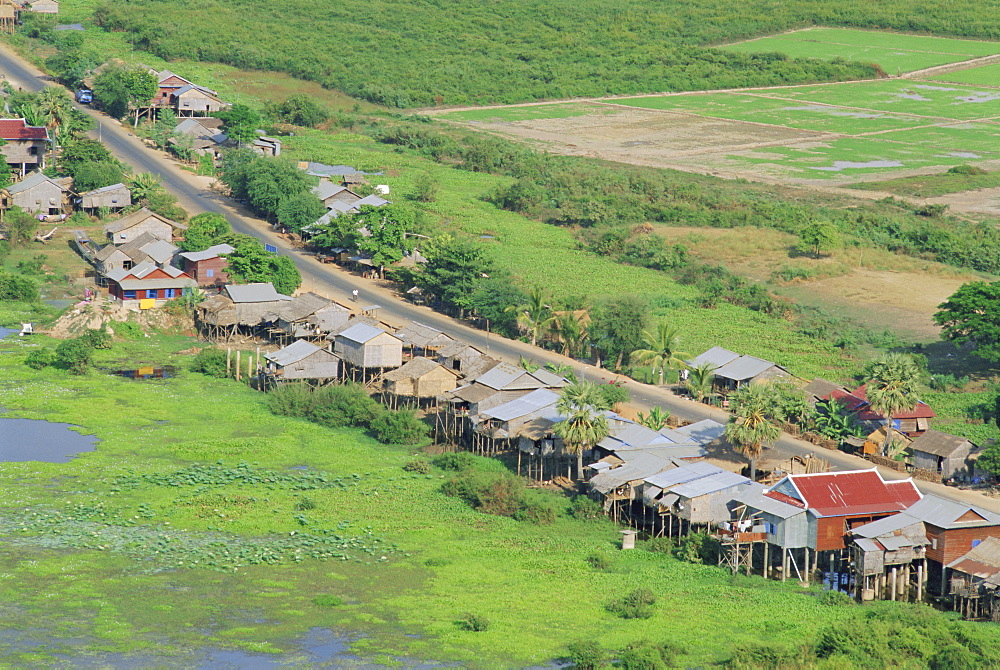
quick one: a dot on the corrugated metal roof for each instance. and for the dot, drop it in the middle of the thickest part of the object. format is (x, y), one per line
(868, 545)
(160, 251)
(636, 470)
(360, 332)
(945, 513)
(711, 484)
(415, 368)
(821, 388)
(744, 367)
(852, 492)
(716, 356)
(508, 377)
(138, 217)
(262, 292)
(702, 432)
(32, 180)
(986, 554)
(682, 474)
(939, 444)
(889, 524)
(293, 353)
(754, 497)
(532, 403)
(549, 378)
(211, 252)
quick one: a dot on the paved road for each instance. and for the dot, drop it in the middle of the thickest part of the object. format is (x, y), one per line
(194, 194)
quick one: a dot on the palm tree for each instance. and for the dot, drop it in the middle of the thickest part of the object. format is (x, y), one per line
(893, 380)
(661, 352)
(750, 430)
(584, 425)
(699, 381)
(144, 186)
(534, 316)
(563, 370)
(571, 332)
(54, 103)
(656, 419)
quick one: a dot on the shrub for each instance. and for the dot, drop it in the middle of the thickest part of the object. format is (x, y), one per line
(966, 169)
(586, 655)
(40, 358)
(304, 504)
(129, 330)
(474, 623)
(457, 461)
(643, 656)
(661, 545)
(502, 496)
(97, 339)
(955, 657)
(328, 601)
(418, 465)
(600, 562)
(17, 287)
(210, 361)
(764, 656)
(836, 598)
(75, 355)
(698, 548)
(586, 509)
(398, 427)
(638, 604)
(538, 512)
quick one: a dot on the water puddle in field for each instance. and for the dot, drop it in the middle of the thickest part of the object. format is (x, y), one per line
(925, 87)
(962, 154)
(908, 95)
(978, 97)
(147, 372)
(35, 440)
(830, 111)
(7, 332)
(849, 165)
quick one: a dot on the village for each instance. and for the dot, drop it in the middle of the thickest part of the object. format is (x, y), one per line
(870, 532)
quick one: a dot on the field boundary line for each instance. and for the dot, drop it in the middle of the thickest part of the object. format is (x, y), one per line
(955, 67)
(866, 109)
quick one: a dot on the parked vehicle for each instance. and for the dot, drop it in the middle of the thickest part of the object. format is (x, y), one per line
(85, 96)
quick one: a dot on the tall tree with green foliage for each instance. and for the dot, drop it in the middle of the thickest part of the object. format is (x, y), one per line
(249, 263)
(89, 176)
(205, 230)
(892, 386)
(295, 212)
(387, 227)
(584, 425)
(750, 430)
(240, 123)
(661, 350)
(120, 88)
(453, 271)
(820, 236)
(19, 227)
(700, 380)
(534, 316)
(570, 330)
(972, 314)
(617, 327)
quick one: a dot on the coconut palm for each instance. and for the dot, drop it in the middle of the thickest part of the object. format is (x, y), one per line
(570, 331)
(893, 380)
(563, 370)
(699, 381)
(656, 419)
(584, 425)
(661, 350)
(750, 430)
(535, 316)
(144, 186)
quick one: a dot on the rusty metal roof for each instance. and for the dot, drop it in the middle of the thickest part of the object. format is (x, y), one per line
(850, 493)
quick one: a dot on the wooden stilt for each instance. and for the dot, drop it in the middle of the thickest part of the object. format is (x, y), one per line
(766, 564)
(237, 365)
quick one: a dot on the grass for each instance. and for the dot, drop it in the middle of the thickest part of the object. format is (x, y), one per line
(984, 75)
(894, 52)
(932, 185)
(531, 112)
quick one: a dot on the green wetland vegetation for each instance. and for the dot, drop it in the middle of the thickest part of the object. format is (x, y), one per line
(217, 525)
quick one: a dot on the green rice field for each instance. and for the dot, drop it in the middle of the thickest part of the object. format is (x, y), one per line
(984, 75)
(896, 53)
(528, 112)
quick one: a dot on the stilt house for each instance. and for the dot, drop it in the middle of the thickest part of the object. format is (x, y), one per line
(114, 197)
(365, 346)
(422, 340)
(302, 360)
(25, 146)
(420, 378)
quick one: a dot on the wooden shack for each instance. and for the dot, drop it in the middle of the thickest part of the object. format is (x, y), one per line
(132, 225)
(291, 320)
(458, 356)
(116, 196)
(39, 194)
(886, 555)
(191, 100)
(948, 455)
(975, 582)
(330, 193)
(302, 360)
(25, 146)
(208, 267)
(733, 370)
(43, 6)
(364, 346)
(238, 310)
(144, 248)
(9, 10)
(420, 378)
(416, 337)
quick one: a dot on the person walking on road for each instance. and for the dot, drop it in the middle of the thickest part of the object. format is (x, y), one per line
(354, 295)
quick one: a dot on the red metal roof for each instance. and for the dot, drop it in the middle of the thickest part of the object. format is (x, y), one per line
(18, 129)
(857, 401)
(851, 493)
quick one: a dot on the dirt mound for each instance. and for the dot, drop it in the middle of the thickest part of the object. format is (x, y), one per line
(77, 319)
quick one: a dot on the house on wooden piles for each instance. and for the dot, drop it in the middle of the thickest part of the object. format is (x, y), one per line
(132, 225)
(975, 582)
(147, 286)
(696, 494)
(887, 555)
(733, 370)
(208, 267)
(25, 146)
(458, 356)
(330, 193)
(239, 309)
(499, 428)
(422, 340)
(114, 197)
(10, 11)
(910, 422)
(39, 194)
(291, 319)
(184, 97)
(368, 350)
(302, 360)
(944, 454)
(834, 503)
(143, 249)
(419, 378)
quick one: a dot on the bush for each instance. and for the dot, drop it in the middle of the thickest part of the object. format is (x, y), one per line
(765, 656)
(97, 339)
(328, 601)
(418, 465)
(40, 358)
(210, 361)
(698, 548)
(966, 169)
(538, 512)
(474, 623)
(661, 545)
(600, 562)
(17, 287)
(398, 427)
(955, 657)
(304, 504)
(638, 604)
(129, 330)
(586, 655)
(75, 355)
(457, 461)
(584, 508)
(836, 598)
